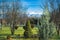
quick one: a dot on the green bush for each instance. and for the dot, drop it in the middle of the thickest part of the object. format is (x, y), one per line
(28, 29)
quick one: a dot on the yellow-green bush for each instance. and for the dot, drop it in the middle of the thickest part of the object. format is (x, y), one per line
(28, 29)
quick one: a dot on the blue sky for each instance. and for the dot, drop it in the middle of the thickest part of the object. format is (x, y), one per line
(33, 6)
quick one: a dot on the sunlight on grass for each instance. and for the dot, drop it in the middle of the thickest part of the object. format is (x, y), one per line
(20, 30)
(35, 30)
(7, 31)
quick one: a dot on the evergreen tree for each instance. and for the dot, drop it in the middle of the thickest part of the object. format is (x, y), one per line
(28, 30)
(47, 29)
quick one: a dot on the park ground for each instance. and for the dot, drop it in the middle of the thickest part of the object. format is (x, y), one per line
(20, 31)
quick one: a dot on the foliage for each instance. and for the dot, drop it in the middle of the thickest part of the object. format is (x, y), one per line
(28, 29)
(47, 29)
(52, 28)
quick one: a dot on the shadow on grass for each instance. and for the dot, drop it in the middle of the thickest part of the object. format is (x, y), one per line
(4, 34)
(2, 38)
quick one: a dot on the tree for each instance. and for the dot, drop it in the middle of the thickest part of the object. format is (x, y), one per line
(13, 15)
(2, 10)
(28, 29)
(55, 14)
(47, 29)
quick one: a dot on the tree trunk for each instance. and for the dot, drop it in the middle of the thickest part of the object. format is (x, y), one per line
(12, 29)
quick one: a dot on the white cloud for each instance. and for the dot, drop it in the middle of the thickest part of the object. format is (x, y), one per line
(34, 11)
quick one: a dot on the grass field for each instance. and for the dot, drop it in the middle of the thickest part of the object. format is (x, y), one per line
(20, 30)
(6, 31)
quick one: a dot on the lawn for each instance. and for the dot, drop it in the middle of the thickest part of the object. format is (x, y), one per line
(6, 31)
(20, 30)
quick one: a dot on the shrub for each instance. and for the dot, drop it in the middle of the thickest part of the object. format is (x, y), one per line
(28, 29)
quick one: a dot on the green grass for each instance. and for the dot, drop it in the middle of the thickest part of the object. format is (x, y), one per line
(20, 30)
(7, 31)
